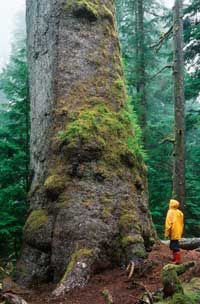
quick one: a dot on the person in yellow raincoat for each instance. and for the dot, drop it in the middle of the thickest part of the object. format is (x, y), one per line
(174, 224)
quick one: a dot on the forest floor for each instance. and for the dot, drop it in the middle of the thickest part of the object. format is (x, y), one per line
(123, 290)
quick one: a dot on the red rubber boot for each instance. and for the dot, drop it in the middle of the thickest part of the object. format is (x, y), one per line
(173, 257)
(177, 257)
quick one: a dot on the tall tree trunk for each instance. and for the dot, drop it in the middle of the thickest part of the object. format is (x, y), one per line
(27, 101)
(88, 195)
(141, 74)
(179, 106)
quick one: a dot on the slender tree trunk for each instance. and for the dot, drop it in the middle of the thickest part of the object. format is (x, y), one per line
(141, 73)
(179, 106)
(89, 193)
(27, 101)
(137, 47)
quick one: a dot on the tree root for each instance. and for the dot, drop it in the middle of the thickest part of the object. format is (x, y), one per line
(77, 274)
(130, 269)
(12, 298)
(139, 266)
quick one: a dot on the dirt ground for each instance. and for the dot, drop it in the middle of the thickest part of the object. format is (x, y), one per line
(123, 291)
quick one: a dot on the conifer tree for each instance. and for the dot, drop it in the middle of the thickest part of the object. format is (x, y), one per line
(14, 151)
(179, 105)
(88, 193)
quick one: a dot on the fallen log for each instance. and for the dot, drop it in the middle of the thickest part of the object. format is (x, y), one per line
(170, 279)
(186, 243)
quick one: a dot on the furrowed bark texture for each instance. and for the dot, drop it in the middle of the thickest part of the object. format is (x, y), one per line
(89, 194)
(179, 106)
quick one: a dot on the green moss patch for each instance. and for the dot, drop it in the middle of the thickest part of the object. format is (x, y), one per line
(76, 256)
(104, 134)
(180, 298)
(83, 8)
(131, 239)
(36, 220)
(126, 221)
(89, 9)
(54, 185)
(170, 280)
(118, 89)
(140, 253)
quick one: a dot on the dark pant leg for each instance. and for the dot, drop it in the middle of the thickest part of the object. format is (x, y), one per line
(174, 245)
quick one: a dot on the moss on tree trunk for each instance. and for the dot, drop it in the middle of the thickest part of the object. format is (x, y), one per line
(88, 174)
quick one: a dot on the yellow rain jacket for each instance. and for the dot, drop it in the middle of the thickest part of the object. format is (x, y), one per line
(174, 221)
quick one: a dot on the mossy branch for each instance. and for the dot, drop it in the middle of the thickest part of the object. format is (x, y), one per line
(169, 138)
(163, 37)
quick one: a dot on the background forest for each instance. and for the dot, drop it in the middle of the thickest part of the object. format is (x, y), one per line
(143, 29)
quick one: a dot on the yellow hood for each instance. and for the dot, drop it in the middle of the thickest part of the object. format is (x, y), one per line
(174, 221)
(173, 204)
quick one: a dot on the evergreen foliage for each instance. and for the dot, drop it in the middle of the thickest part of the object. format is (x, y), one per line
(192, 48)
(192, 90)
(14, 155)
(14, 118)
(159, 110)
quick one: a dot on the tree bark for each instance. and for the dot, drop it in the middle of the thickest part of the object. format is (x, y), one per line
(88, 197)
(179, 106)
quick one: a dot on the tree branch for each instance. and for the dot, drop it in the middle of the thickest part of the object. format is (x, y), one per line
(169, 66)
(162, 38)
(170, 138)
(154, 14)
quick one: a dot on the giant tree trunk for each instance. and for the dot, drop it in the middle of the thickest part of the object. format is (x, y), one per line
(88, 196)
(179, 106)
